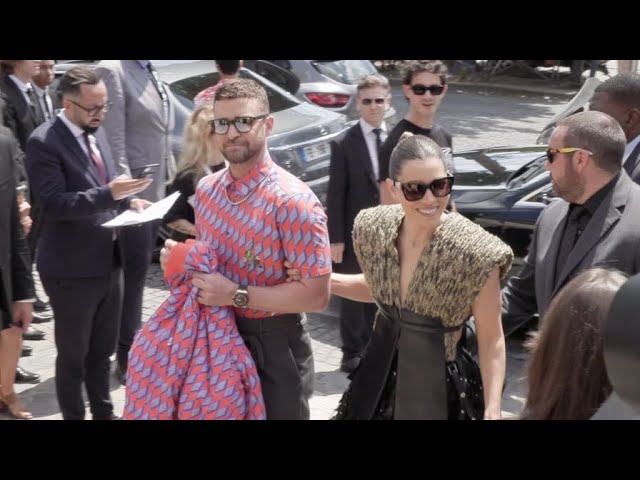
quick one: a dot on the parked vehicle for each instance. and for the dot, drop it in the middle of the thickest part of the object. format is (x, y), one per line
(327, 83)
(505, 189)
(300, 141)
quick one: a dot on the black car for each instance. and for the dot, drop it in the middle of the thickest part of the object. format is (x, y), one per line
(504, 189)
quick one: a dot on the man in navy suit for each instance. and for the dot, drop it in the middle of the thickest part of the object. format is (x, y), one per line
(353, 186)
(72, 174)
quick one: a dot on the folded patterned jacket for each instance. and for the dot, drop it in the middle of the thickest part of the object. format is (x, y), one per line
(188, 362)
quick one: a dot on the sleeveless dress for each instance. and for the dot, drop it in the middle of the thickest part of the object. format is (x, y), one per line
(188, 362)
(403, 374)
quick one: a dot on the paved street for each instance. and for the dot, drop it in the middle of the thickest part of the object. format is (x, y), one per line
(476, 117)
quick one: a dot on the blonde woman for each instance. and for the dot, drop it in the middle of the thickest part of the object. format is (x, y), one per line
(200, 157)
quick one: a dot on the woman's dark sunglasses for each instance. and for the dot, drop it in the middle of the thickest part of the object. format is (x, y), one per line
(414, 191)
(420, 89)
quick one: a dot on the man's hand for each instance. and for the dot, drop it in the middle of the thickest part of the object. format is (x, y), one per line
(139, 204)
(293, 274)
(164, 253)
(337, 251)
(123, 186)
(22, 315)
(216, 290)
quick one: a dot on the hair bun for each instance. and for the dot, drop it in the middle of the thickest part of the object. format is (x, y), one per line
(405, 135)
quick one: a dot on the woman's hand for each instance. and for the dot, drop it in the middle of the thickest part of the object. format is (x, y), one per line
(293, 274)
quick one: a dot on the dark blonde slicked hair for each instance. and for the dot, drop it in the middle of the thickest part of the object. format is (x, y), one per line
(413, 147)
(567, 376)
(372, 81)
(243, 88)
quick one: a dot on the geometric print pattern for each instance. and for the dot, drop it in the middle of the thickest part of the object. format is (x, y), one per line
(257, 222)
(188, 362)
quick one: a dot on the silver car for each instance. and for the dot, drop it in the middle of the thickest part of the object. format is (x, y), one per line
(327, 83)
(302, 132)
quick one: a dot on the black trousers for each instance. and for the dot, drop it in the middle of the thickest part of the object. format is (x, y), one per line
(356, 318)
(281, 349)
(87, 312)
(137, 243)
(356, 326)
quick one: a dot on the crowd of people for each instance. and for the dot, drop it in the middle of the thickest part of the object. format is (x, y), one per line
(253, 250)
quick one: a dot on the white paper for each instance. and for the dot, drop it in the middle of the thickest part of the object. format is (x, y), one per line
(154, 212)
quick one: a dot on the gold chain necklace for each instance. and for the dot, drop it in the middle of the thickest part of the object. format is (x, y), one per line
(247, 195)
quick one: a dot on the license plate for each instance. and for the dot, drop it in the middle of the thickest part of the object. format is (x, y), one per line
(315, 151)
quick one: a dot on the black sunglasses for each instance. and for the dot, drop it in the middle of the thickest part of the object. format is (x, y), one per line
(220, 126)
(369, 101)
(420, 89)
(414, 191)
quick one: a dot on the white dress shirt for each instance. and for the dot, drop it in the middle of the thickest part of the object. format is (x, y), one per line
(370, 138)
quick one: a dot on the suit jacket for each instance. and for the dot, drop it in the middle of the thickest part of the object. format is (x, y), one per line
(135, 124)
(18, 114)
(74, 203)
(611, 239)
(632, 165)
(352, 187)
(16, 282)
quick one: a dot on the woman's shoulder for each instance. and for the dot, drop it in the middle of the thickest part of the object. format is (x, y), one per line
(380, 216)
(475, 241)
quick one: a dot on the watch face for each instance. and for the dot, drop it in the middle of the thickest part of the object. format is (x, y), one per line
(241, 299)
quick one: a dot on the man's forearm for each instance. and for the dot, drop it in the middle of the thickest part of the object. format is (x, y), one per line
(306, 295)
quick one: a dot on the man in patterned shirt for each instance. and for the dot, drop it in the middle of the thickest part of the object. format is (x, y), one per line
(257, 216)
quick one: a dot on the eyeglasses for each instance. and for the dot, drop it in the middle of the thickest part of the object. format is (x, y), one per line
(220, 126)
(420, 89)
(94, 110)
(414, 191)
(552, 151)
(369, 101)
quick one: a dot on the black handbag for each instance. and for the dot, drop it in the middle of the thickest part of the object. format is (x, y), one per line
(464, 380)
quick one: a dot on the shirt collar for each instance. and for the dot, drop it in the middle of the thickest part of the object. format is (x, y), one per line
(630, 147)
(594, 201)
(39, 91)
(367, 129)
(244, 185)
(21, 85)
(75, 130)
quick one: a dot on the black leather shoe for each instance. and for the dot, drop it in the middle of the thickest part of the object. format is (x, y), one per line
(24, 376)
(33, 333)
(40, 306)
(349, 364)
(26, 351)
(42, 317)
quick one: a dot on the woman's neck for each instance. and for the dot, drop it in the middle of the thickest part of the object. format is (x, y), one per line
(417, 236)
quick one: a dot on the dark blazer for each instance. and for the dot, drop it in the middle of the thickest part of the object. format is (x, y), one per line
(352, 187)
(632, 165)
(611, 239)
(16, 282)
(18, 115)
(74, 203)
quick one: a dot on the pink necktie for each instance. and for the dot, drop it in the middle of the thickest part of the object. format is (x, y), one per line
(97, 160)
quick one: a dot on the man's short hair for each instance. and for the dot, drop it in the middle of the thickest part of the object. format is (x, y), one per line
(600, 134)
(228, 67)
(372, 81)
(243, 88)
(74, 78)
(418, 66)
(623, 89)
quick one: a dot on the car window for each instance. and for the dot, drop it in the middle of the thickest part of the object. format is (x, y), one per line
(187, 88)
(345, 71)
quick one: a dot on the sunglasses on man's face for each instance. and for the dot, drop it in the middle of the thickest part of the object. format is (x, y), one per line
(414, 191)
(420, 89)
(220, 126)
(551, 152)
(369, 101)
